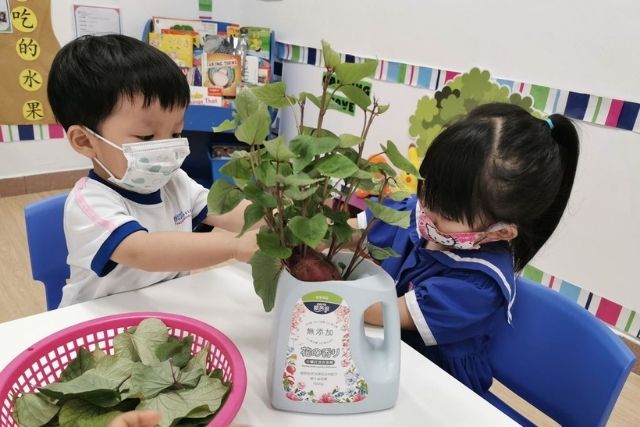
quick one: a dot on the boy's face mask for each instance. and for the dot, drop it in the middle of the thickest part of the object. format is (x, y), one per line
(150, 164)
(462, 240)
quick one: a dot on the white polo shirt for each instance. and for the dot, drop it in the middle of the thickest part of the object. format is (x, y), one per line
(98, 216)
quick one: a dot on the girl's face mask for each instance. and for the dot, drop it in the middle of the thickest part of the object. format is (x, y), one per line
(150, 164)
(462, 240)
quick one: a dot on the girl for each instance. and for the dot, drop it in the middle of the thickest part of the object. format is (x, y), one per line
(495, 185)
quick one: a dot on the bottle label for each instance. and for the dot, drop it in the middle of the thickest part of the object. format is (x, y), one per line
(319, 367)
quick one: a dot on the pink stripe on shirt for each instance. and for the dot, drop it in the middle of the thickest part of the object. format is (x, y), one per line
(88, 210)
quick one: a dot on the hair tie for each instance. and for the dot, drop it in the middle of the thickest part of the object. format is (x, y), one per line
(549, 122)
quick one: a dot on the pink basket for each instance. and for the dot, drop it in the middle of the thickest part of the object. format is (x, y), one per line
(42, 363)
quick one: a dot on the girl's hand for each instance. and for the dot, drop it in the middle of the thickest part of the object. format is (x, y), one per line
(136, 419)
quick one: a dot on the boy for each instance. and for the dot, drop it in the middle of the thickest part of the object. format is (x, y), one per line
(128, 224)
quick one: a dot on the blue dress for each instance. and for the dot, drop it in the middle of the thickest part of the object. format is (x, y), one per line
(455, 297)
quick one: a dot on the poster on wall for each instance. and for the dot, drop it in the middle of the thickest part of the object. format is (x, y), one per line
(27, 51)
(96, 20)
(5, 21)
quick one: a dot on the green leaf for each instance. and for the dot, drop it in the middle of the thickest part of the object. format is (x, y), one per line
(381, 253)
(383, 108)
(311, 131)
(347, 140)
(349, 74)
(342, 231)
(274, 95)
(389, 215)
(34, 410)
(266, 174)
(357, 96)
(399, 196)
(256, 128)
(310, 230)
(294, 193)
(360, 174)
(278, 149)
(337, 166)
(317, 101)
(252, 214)
(98, 354)
(178, 350)
(196, 368)
(265, 271)
(123, 345)
(382, 168)
(298, 179)
(81, 364)
(175, 405)
(331, 57)
(225, 126)
(90, 386)
(115, 368)
(150, 334)
(259, 196)
(270, 244)
(246, 104)
(78, 413)
(223, 197)
(148, 381)
(237, 168)
(399, 160)
(303, 145)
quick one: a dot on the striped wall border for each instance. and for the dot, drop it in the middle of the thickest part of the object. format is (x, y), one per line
(15, 133)
(623, 319)
(595, 109)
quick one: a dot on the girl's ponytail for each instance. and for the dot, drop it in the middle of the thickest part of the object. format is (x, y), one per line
(538, 231)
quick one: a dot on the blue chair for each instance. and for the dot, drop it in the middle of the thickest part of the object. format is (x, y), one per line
(558, 357)
(47, 246)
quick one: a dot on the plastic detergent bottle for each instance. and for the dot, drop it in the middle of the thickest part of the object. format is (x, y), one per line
(321, 361)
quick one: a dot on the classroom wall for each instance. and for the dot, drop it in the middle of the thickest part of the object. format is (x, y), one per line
(37, 157)
(582, 46)
(585, 47)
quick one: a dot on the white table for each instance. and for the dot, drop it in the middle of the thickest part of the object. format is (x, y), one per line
(224, 298)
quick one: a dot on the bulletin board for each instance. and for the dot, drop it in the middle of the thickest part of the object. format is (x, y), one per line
(27, 46)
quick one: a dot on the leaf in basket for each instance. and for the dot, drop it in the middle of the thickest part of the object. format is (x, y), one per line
(33, 410)
(123, 346)
(148, 381)
(90, 386)
(116, 368)
(175, 405)
(151, 333)
(81, 364)
(178, 350)
(78, 413)
(98, 354)
(196, 368)
(195, 422)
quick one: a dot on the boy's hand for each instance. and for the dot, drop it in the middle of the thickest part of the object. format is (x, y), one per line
(245, 246)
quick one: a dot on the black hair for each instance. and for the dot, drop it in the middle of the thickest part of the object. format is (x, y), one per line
(500, 163)
(91, 74)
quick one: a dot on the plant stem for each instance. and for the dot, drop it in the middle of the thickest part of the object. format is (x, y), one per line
(301, 125)
(283, 242)
(323, 98)
(357, 251)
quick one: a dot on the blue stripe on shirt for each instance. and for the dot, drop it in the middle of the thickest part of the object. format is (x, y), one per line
(102, 263)
(195, 221)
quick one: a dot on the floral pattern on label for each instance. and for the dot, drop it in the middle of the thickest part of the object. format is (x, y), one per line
(319, 366)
